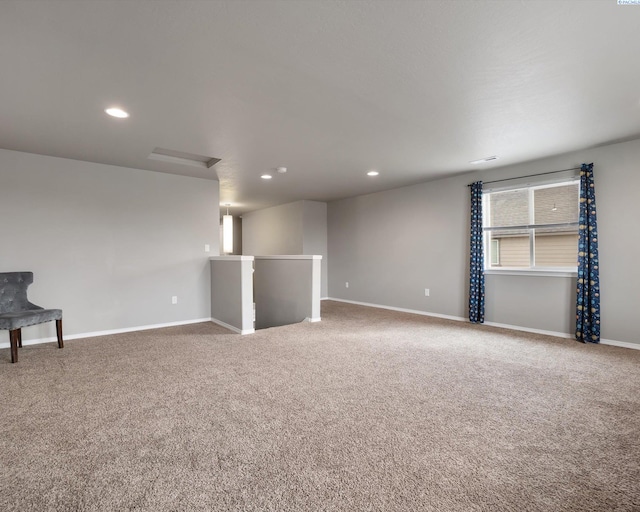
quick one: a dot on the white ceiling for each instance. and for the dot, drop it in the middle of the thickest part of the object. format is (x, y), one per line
(329, 89)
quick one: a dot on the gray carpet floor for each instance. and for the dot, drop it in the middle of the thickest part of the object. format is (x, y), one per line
(366, 410)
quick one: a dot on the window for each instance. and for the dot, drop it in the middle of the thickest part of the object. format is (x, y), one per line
(533, 227)
(495, 252)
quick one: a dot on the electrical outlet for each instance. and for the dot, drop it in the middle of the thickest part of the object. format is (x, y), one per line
(346, 285)
(207, 248)
(174, 299)
(426, 292)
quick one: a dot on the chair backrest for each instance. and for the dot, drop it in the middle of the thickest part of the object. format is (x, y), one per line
(13, 291)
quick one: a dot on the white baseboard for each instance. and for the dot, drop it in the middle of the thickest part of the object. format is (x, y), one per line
(6, 344)
(108, 332)
(615, 343)
(624, 344)
(402, 310)
(529, 329)
(231, 327)
(315, 319)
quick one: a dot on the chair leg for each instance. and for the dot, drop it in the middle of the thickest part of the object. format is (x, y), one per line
(19, 338)
(13, 338)
(59, 333)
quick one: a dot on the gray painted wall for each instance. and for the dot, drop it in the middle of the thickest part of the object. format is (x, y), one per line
(546, 299)
(108, 245)
(391, 245)
(286, 291)
(275, 230)
(293, 228)
(314, 237)
(237, 235)
(232, 292)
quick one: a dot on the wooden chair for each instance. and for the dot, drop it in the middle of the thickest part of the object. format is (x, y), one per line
(17, 312)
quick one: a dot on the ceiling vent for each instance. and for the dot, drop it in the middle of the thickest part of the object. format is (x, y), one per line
(484, 160)
(179, 157)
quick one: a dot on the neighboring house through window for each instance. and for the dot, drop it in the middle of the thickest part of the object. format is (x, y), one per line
(532, 227)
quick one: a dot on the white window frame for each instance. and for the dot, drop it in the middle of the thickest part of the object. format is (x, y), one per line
(531, 270)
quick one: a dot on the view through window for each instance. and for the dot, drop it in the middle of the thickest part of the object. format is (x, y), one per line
(533, 227)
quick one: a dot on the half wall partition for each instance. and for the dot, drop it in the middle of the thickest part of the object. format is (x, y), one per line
(257, 292)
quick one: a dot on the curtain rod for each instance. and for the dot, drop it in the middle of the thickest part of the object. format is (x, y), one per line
(530, 176)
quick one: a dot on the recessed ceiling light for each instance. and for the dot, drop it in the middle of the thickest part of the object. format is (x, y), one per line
(117, 112)
(373, 173)
(281, 170)
(483, 160)
(266, 176)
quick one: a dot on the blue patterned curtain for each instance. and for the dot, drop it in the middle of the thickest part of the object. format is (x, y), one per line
(476, 262)
(588, 297)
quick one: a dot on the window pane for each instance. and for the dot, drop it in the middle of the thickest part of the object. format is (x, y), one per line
(509, 208)
(555, 205)
(555, 248)
(508, 250)
(513, 242)
(495, 252)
